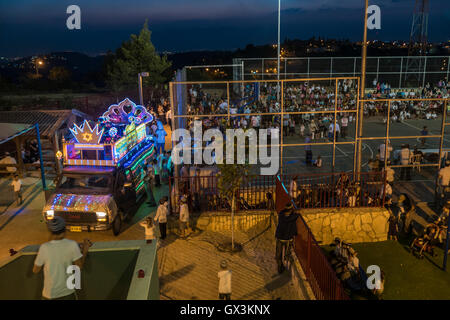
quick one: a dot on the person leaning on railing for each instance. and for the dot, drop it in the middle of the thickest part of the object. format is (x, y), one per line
(444, 180)
(285, 233)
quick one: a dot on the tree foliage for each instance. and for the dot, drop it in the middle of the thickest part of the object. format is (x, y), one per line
(134, 56)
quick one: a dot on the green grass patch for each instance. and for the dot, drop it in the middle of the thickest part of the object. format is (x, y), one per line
(407, 277)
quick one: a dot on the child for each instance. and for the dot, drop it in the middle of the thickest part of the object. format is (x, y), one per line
(302, 130)
(161, 216)
(149, 229)
(393, 228)
(318, 162)
(17, 185)
(224, 281)
(184, 216)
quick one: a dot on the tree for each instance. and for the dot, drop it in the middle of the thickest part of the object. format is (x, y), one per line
(230, 179)
(134, 56)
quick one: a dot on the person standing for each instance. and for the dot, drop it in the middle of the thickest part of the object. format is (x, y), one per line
(161, 216)
(405, 159)
(293, 189)
(148, 183)
(424, 133)
(444, 179)
(169, 118)
(160, 137)
(308, 152)
(285, 233)
(385, 154)
(17, 186)
(156, 170)
(184, 216)
(149, 229)
(54, 257)
(390, 173)
(224, 281)
(344, 122)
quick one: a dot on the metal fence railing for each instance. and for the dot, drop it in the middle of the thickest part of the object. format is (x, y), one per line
(312, 191)
(318, 271)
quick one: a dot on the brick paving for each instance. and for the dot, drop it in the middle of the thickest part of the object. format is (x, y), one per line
(188, 268)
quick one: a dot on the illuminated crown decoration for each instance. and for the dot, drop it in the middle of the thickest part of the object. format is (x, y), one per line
(86, 134)
(127, 112)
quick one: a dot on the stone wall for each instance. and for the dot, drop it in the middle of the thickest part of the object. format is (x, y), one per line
(251, 222)
(349, 224)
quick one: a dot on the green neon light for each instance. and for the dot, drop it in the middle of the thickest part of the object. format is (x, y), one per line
(140, 185)
(145, 155)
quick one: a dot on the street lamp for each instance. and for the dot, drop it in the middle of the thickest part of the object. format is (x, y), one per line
(140, 75)
(38, 62)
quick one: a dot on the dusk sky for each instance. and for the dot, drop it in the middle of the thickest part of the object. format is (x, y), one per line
(39, 26)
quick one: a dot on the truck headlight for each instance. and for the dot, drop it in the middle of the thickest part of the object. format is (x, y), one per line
(101, 216)
(49, 214)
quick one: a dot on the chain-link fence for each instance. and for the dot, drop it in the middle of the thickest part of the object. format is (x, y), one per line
(399, 71)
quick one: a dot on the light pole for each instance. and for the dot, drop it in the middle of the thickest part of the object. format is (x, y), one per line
(278, 52)
(140, 75)
(37, 63)
(363, 84)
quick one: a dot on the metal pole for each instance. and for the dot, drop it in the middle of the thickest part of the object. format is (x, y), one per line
(447, 240)
(401, 71)
(335, 119)
(444, 119)
(424, 70)
(282, 127)
(278, 51)
(44, 184)
(363, 83)
(141, 98)
(364, 52)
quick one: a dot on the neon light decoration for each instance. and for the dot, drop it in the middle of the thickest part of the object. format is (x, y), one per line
(127, 112)
(112, 132)
(86, 134)
(127, 138)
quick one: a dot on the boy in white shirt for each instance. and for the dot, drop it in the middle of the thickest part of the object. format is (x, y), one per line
(149, 229)
(224, 281)
(17, 186)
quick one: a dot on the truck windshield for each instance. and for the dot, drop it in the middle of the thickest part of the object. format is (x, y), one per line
(91, 182)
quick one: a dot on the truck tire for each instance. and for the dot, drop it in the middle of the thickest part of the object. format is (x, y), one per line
(117, 225)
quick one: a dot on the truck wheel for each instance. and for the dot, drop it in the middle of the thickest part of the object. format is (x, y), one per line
(117, 225)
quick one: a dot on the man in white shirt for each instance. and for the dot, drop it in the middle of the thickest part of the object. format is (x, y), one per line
(55, 257)
(444, 177)
(331, 131)
(224, 281)
(17, 186)
(405, 159)
(383, 153)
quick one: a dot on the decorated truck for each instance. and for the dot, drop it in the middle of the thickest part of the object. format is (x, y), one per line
(104, 169)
